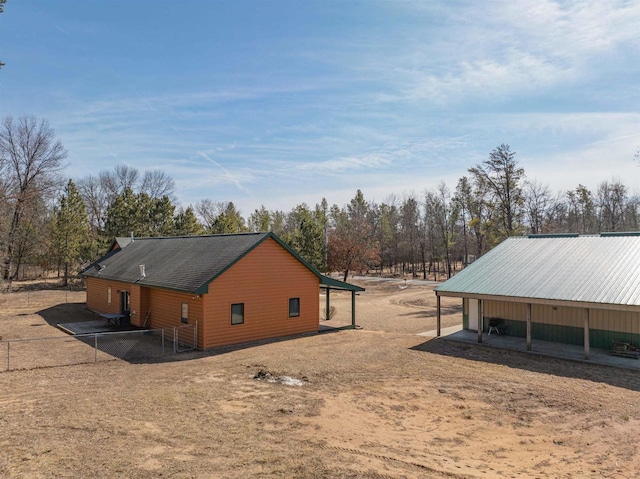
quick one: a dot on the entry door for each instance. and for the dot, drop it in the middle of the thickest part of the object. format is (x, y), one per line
(473, 314)
(124, 302)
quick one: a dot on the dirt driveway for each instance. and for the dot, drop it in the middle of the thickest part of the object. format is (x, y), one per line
(394, 306)
(374, 403)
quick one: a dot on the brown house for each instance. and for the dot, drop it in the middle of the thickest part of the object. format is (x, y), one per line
(239, 287)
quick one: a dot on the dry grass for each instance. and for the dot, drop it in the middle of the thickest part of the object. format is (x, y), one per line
(376, 403)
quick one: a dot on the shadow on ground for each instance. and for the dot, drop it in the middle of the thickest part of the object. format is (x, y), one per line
(192, 355)
(622, 378)
(67, 313)
(141, 347)
(432, 313)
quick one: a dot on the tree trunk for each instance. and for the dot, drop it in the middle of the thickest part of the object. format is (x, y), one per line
(15, 221)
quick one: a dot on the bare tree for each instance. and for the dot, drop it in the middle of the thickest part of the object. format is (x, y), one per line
(117, 181)
(538, 205)
(220, 217)
(208, 210)
(156, 184)
(612, 202)
(30, 157)
(409, 233)
(95, 198)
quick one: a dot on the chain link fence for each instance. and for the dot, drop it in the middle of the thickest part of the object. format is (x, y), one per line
(41, 298)
(95, 347)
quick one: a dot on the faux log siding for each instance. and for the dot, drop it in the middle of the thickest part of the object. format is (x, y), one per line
(97, 295)
(166, 310)
(263, 280)
(602, 319)
(142, 306)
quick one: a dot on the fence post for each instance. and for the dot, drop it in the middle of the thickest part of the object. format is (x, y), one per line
(162, 336)
(95, 345)
(195, 336)
(175, 341)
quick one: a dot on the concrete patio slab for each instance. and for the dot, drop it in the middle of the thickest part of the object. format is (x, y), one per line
(443, 331)
(95, 326)
(544, 348)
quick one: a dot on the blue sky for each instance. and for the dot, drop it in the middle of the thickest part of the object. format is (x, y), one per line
(283, 102)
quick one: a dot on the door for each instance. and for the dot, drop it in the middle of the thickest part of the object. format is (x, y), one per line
(124, 307)
(473, 314)
(124, 302)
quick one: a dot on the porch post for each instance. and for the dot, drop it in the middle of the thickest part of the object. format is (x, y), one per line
(438, 316)
(587, 314)
(327, 305)
(353, 309)
(480, 321)
(528, 326)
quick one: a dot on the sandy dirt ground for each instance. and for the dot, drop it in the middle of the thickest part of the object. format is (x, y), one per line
(380, 402)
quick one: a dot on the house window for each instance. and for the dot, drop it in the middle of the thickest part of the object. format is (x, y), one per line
(109, 295)
(237, 313)
(184, 315)
(294, 307)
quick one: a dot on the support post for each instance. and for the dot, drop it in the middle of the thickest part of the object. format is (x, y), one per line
(480, 321)
(175, 340)
(95, 347)
(327, 306)
(528, 326)
(353, 309)
(438, 316)
(587, 314)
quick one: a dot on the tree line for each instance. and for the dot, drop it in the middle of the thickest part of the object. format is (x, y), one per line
(61, 224)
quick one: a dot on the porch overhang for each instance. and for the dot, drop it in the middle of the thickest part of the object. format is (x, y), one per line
(330, 283)
(586, 306)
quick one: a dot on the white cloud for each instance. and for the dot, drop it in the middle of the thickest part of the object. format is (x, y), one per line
(498, 50)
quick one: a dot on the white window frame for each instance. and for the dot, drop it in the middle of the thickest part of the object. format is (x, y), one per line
(184, 313)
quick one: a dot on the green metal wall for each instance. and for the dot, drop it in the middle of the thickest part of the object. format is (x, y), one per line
(598, 338)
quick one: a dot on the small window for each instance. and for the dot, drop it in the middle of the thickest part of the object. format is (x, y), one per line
(237, 313)
(109, 295)
(184, 315)
(294, 307)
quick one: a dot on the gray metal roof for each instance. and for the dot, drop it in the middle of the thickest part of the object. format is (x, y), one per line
(185, 263)
(593, 269)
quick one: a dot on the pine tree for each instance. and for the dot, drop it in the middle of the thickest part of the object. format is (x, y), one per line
(186, 223)
(70, 229)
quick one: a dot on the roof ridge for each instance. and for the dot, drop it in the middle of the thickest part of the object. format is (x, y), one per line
(140, 238)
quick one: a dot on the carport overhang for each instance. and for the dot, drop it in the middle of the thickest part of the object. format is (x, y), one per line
(586, 306)
(330, 283)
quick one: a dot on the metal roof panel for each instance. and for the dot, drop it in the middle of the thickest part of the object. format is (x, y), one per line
(598, 269)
